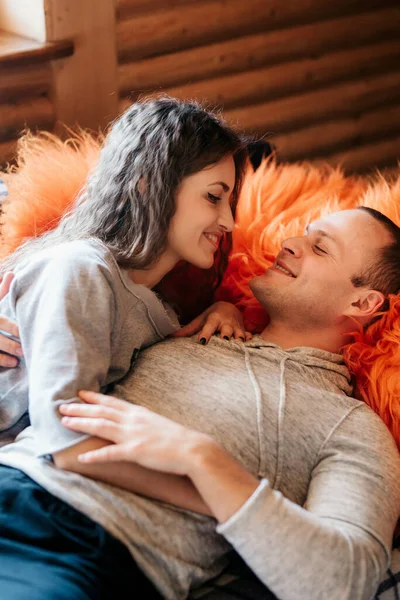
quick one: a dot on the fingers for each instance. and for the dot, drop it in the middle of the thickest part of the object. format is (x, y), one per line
(5, 284)
(102, 428)
(102, 455)
(9, 327)
(93, 411)
(212, 326)
(8, 346)
(8, 361)
(226, 332)
(239, 334)
(96, 398)
(190, 329)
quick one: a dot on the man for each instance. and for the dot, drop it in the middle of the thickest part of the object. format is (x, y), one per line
(302, 478)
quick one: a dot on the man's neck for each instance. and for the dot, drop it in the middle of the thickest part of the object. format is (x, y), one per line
(285, 337)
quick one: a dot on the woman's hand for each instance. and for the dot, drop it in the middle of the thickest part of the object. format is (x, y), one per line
(9, 334)
(139, 435)
(221, 316)
(143, 437)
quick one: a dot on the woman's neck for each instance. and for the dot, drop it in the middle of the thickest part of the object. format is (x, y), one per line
(151, 276)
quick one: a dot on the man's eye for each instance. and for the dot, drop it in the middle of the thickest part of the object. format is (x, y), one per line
(320, 249)
(213, 198)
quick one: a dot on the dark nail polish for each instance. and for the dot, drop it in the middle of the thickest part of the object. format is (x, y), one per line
(203, 341)
(226, 338)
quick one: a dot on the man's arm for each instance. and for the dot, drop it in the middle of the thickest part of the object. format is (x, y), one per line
(337, 546)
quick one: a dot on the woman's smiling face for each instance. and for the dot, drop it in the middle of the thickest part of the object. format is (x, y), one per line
(203, 214)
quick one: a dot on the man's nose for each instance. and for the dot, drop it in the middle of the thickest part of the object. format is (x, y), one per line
(293, 246)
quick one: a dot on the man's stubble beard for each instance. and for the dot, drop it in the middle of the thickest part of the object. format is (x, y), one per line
(298, 314)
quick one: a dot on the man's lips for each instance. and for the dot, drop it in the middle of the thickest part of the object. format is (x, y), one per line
(283, 268)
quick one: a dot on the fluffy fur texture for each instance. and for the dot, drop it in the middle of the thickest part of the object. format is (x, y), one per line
(277, 201)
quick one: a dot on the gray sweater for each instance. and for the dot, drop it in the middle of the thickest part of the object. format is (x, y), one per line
(319, 526)
(80, 319)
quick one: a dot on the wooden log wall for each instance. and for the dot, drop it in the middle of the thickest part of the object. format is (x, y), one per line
(320, 79)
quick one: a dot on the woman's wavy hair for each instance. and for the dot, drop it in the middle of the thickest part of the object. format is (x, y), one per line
(129, 200)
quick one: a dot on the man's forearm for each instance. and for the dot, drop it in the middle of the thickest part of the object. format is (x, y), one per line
(222, 482)
(172, 489)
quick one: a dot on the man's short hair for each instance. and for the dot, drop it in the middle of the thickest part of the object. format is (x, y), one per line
(383, 274)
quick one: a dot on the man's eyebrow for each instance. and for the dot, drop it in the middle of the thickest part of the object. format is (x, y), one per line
(323, 233)
(224, 185)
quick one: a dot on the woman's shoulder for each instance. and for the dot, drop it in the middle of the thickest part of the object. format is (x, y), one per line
(76, 254)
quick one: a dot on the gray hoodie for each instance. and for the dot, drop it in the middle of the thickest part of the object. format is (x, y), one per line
(81, 321)
(319, 525)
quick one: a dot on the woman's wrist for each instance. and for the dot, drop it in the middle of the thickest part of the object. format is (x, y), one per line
(202, 453)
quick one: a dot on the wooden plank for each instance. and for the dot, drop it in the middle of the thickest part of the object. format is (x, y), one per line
(379, 154)
(168, 30)
(31, 112)
(85, 85)
(27, 80)
(126, 8)
(292, 77)
(295, 112)
(253, 51)
(333, 136)
(15, 50)
(8, 151)
(24, 17)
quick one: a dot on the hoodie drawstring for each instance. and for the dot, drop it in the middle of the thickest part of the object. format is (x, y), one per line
(281, 416)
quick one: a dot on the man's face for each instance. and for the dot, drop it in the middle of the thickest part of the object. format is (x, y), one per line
(310, 283)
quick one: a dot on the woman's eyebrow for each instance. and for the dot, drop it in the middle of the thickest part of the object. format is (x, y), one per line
(224, 185)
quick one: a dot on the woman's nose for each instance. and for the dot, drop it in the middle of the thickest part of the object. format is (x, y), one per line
(225, 219)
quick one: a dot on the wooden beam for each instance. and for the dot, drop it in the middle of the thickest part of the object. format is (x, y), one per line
(368, 157)
(16, 50)
(85, 85)
(296, 112)
(33, 80)
(254, 51)
(338, 135)
(293, 77)
(8, 151)
(126, 8)
(160, 31)
(30, 112)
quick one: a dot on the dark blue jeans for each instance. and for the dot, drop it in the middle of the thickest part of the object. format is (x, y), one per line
(50, 551)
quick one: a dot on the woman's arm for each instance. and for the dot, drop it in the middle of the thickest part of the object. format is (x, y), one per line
(143, 437)
(10, 346)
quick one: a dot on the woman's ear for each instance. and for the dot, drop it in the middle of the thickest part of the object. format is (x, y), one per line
(366, 304)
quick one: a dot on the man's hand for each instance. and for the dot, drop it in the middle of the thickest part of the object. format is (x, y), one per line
(9, 334)
(222, 317)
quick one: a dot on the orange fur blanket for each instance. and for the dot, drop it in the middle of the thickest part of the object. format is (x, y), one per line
(277, 201)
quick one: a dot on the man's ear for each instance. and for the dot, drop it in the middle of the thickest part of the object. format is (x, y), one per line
(365, 304)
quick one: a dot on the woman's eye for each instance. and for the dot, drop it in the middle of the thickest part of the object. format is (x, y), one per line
(213, 198)
(320, 250)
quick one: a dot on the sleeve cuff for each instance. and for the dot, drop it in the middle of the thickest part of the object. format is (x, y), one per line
(241, 514)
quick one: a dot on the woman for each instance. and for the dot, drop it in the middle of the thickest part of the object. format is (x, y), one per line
(163, 192)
